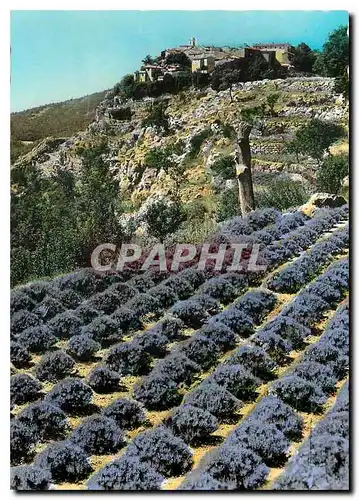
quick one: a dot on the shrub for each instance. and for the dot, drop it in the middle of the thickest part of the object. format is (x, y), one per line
(215, 399)
(258, 219)
(86, 313)
(339, 338)
(283, 194)
(19, 355)
(23, 388)
(201, 350)
(98, 435)
(19, 300)
(103, 329)
(54, 366)
(331, 173)
(205, 482)
(65, 325)
(306, 309)
(37, 291)
(128, 359)
(197, 140)
(21, 320)
(103, 380)
(326, 354)
(334, 424)
(236, 320)
(142, 283)
(83, 347)
(164, 295)
(125, 473)
(29, 478)
(49, 308)
(68, 298)
(158, 392)
(83, 282)
(192, 424)
(127, 413)
(191, 312)
(46, 420)
(166, 454)
(312, 371)
(263, 438)
(37, 338)
(289, 279)
(342, 402)
(152, 342)
(193, 276)
(183, 287)
(126, 319)
(71, 395)
(219, 288)
(274, 345)
(22, 442)
(221, 335)
(272, 410)
(256, 304)
(170, 327)
(65, 461)
(285, 326)
(237, 380)
(178, 368)
(321, 463)
(303, 395)
(106, 302)
(124, 291)
(224, 166)
(255, 359)
(239, 467)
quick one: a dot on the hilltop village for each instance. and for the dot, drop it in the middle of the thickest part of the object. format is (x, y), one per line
(204, 59)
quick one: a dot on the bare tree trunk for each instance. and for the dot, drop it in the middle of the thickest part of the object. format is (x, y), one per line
(243, 169)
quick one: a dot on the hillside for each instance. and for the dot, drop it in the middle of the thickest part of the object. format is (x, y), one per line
(143, 154)
(62, 119)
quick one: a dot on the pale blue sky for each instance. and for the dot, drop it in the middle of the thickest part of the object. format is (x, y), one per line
(58, 55)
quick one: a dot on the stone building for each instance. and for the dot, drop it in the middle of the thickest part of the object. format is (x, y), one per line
(283, 51)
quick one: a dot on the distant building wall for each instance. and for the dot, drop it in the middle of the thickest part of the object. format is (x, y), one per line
(283, 51)
(203, 64)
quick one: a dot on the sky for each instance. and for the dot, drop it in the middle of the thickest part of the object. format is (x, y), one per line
(59, 55)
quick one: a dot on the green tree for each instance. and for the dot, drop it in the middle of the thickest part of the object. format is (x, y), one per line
(127, 87)
(98, 200)
(163, 217)
(342, 84)
(316, 137)
(331, 173)
(225, 167)
(304, 58)
(272, 99)
(148, 60)
(228, 205)
(334, 59)
(179, 58)
(162, 159)
(156, 117)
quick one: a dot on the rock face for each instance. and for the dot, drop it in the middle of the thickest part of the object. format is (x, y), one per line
(122, 113)
(320, 200)
(199, 125)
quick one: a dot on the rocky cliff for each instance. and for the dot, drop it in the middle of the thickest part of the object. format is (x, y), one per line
(197, 121)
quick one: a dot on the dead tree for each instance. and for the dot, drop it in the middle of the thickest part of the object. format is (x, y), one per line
(243, 168)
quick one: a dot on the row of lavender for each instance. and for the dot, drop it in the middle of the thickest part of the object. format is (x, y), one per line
(73, 394)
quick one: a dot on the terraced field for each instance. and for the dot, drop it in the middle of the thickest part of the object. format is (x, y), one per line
(199, 380)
